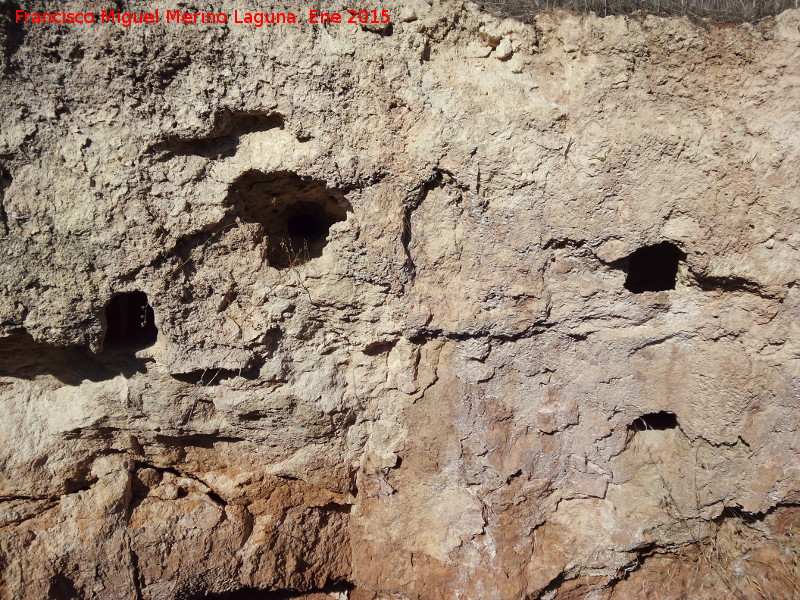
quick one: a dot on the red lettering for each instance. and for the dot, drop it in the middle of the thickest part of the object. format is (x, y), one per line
(316, 16)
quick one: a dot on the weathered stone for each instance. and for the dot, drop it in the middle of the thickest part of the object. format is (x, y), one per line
(395, 355)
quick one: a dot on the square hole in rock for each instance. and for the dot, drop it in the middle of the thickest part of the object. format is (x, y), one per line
(130, 323)
(654, 268)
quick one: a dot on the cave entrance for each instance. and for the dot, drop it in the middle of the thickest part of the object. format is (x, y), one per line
(327, 591)
(308, 224)
(295, 213)
(654, 268)
(130, 323)
(659, 421)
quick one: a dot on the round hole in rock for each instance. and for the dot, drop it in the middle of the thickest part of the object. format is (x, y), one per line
(308, 223)
(295, 213)
(130, 323)
(654, 268)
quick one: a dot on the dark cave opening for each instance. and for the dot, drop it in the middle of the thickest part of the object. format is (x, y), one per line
(295, 213)
(257, 594)
(659, 421)
(308, 224)
(654, 268)
(63, 588)
(130, 323)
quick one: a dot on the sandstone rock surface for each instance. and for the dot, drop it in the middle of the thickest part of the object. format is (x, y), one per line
(351, 312)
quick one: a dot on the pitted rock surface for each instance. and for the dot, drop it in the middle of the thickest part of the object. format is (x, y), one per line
(360, 312)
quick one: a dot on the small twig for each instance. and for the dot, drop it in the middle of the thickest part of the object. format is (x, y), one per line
(569, 147)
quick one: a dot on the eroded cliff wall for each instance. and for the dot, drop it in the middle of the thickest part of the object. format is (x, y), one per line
(454, 308)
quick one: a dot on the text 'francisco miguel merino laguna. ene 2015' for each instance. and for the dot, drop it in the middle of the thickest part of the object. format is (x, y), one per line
(256, 19)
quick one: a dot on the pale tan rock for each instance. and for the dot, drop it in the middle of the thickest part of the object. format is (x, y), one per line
(448, 391)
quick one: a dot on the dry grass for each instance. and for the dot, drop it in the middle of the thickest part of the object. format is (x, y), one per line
(724, 11)
(738, 555)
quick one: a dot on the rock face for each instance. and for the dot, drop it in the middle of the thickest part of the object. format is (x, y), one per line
(453, 308)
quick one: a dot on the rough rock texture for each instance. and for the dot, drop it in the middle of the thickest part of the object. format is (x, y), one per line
(395, 355)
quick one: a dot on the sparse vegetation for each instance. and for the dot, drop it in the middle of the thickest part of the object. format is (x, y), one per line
(715, 10)
(737, 555)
